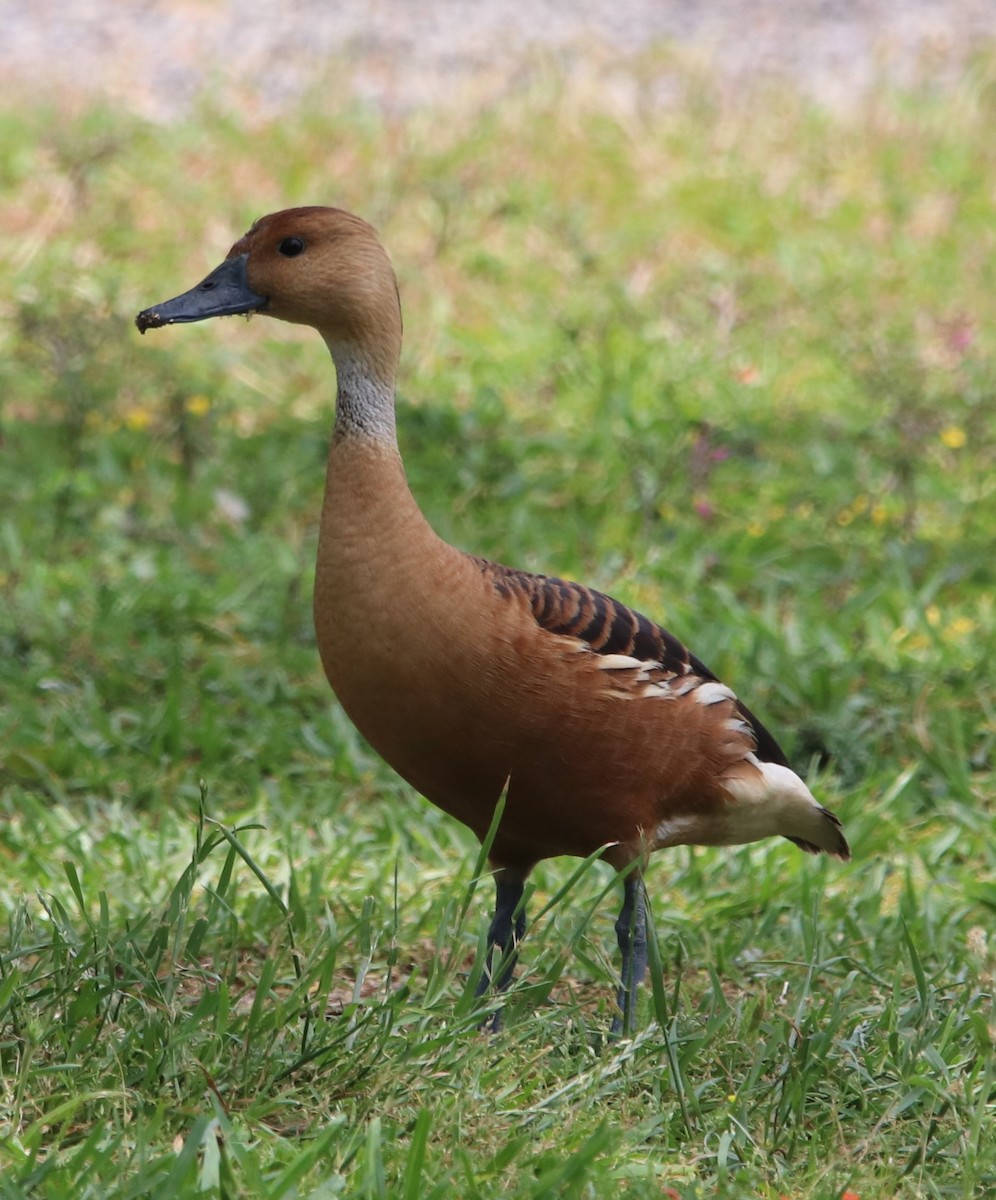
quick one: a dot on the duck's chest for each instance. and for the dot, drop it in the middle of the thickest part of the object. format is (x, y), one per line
(396, 618)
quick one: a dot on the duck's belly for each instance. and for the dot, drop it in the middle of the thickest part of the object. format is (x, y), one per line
(580, 771)
(441, 751)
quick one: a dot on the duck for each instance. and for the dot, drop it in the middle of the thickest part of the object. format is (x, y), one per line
(541, 713)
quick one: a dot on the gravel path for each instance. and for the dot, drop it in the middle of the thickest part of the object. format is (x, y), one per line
(155, 56)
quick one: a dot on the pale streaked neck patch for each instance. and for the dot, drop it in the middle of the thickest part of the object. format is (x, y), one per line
(364, 401)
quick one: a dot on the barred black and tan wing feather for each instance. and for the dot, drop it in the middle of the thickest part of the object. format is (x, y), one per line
(610, 627)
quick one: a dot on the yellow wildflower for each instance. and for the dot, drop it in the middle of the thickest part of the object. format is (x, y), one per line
(960, 627)
(953, 437)
(137, 417)
(197, 405)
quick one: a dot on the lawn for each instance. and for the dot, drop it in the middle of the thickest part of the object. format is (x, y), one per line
(733, 361)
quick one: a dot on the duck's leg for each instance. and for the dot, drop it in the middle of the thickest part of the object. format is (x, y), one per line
(631, 930)
(507, 929)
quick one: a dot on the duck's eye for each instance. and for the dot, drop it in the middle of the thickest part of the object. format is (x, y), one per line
(291, 247)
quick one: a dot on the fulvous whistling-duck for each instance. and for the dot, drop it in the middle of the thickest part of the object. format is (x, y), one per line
(473, 680)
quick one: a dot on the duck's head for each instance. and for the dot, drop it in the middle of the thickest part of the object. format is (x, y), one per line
(312, 266)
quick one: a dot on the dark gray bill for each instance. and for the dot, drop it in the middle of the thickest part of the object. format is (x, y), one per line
(224, 292)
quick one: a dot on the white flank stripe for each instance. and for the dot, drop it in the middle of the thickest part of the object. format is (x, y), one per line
(661, 690)
(713, 693)
(619, 662)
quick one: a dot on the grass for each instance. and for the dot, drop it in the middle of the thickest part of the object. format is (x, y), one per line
(733, 361)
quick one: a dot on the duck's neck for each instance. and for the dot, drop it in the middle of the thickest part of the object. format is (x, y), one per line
(364, 405)
(368, 507)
